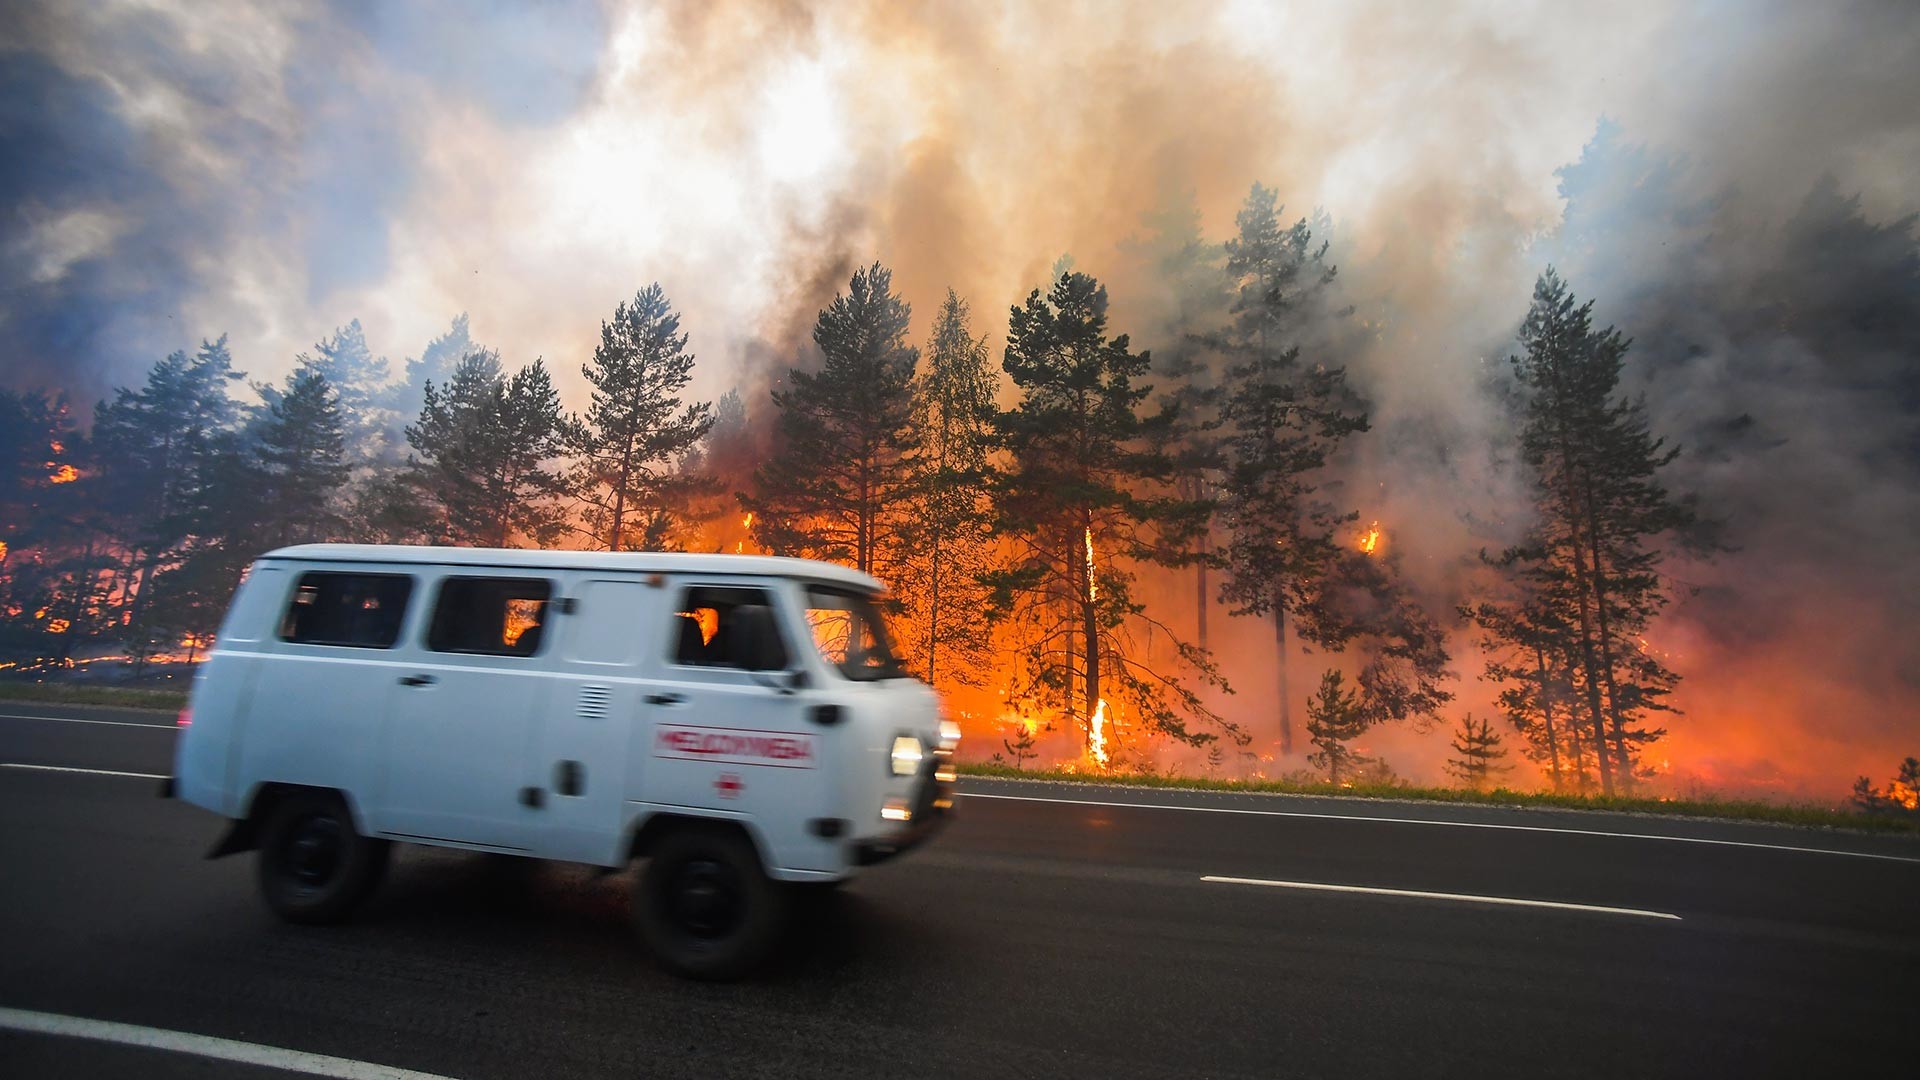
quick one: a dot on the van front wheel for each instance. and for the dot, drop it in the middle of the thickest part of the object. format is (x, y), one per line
(704, 905)
(314, 868)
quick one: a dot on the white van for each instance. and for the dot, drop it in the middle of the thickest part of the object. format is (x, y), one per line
(738, 722)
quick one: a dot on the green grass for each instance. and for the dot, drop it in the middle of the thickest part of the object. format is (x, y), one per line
(1727, 809)
(80, 694)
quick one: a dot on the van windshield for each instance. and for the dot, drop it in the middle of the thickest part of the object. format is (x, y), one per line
(848, 631)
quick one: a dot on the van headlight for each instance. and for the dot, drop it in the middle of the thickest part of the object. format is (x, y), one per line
(949, 735)
(907, 755)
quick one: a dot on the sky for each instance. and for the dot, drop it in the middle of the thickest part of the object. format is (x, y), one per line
(173, 171)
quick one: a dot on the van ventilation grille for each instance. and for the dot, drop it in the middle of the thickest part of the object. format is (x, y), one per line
(593, 702)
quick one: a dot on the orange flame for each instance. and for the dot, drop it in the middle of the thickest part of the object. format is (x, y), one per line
(63, 474)
(1370, 540)
(1093, 588)
(740, 547)
(57, 626)
(3, 551)
(1097, 735)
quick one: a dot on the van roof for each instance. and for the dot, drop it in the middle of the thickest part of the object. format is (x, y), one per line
(661, 562)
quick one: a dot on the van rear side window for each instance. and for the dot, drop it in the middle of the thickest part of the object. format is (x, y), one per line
(490, 616)
(357, 611)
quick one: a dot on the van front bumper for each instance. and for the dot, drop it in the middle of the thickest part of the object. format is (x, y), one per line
(932, 803)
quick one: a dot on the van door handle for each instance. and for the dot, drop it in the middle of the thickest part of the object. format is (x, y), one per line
(666, 699)
(417, 680)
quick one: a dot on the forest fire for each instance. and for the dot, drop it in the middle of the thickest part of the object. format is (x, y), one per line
(1237, 559)
(1097, 736)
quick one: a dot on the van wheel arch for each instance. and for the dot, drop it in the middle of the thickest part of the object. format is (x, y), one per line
(244, 833)
(648, 834)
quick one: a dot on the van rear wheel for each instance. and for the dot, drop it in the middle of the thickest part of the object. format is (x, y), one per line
(704, 905)
(314, 868)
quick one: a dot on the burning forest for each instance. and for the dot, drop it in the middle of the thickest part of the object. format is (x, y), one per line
(1542, 467)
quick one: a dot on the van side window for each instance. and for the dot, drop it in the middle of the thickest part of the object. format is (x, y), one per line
(727, 628)
(360, 611)
(490, 616)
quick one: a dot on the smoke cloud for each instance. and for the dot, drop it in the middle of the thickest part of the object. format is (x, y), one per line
(1732, 183)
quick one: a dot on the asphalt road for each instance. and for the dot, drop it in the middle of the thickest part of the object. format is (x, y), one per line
(1035, 937)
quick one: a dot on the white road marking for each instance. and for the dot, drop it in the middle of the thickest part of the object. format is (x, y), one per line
(182, 1042)
(1450, 824)
(88, 772)
(77, 720)
(1464, 898)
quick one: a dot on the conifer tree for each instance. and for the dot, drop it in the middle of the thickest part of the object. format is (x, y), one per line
(1594, 556)
(1190, 298)
(1477, 753)
(302, 462)
(636, 432)
(1286, 414)
(840, 479)
(1084, 497)
(158, 454)
(1334, 719)
(361, 381)
(483, 444)
(946, 544)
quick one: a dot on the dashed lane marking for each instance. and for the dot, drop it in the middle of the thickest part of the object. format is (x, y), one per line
(1462, 898)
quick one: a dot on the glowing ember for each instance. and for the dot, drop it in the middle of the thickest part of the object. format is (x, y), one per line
(63, 474)
(57, 626)
(3, 551)
(1097, 734)
(1370, 540)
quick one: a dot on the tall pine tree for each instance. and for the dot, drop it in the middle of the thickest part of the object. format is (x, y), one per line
(1590, 566)
(483, 444)
(946, 543)
(303, 462)
(1286, 415)
(636, 432)
(840, 481)
(1084, 497)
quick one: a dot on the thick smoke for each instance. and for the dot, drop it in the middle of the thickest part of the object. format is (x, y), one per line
(172, 171)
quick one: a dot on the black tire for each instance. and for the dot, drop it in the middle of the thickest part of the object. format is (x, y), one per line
(314, 868)
(704, 905)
